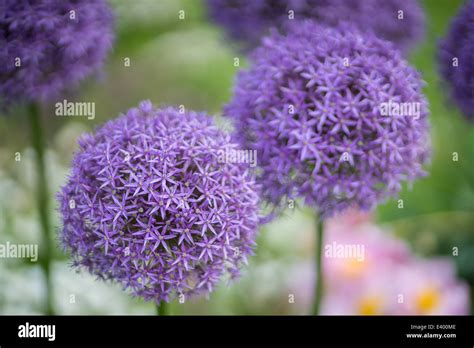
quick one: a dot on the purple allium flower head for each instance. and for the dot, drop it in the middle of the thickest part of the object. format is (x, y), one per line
(48, 46)
(337, 117)
(151, 204)
(456, 59)
(400, 21)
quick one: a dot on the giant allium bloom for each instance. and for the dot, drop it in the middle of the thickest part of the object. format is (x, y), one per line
(48, 46)
(456, 59)
(312, 106)
(151, 204)
(248, 20)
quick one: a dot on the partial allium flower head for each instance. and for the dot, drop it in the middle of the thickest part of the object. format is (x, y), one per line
(401, 22)
(337, 117)
(48, 46)
(456, 59)
(151, 204)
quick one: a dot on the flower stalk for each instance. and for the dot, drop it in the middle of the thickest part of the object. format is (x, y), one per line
(162, 309)
(319, 265)
(42, 199)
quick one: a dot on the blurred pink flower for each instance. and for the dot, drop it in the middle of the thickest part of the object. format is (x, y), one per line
(374, 295)
(368, 271)
(430, 287)
(414, 287)
(355, 248)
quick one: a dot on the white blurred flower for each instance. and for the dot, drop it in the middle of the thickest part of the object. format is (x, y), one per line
(21, 289)
(81, 293)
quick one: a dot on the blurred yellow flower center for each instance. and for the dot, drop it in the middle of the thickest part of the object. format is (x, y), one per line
(353, 268)
(370, 305)
(427, 300)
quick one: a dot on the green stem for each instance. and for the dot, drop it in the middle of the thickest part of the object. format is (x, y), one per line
(162, 309)
(319, 266)
(42, 199)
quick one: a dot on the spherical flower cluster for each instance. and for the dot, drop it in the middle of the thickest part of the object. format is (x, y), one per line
(401, 22)
(48, 46)
(456, 59)
(152, 204)
(337, 117)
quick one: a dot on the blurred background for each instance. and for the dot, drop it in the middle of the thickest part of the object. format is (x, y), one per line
(189, 62)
